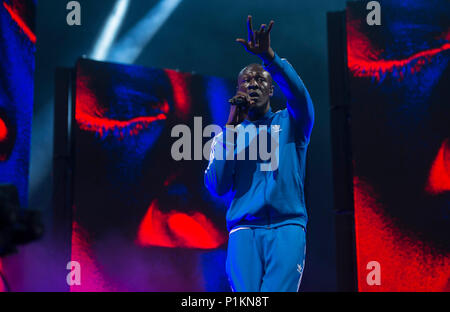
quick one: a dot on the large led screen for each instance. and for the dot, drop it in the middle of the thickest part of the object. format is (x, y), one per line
(17, 49)
(143, 219)
(399, 88)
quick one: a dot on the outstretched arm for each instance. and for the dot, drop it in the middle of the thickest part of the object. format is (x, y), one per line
(299, 102)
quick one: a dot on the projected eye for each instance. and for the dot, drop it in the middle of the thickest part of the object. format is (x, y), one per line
(124, 108)
(127, 115)
(177, 229)
(364, 60)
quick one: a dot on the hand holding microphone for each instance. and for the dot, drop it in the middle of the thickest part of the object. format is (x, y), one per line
(239, 100)
(238, 108)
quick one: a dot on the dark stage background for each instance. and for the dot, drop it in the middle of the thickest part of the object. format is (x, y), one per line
(198, 36)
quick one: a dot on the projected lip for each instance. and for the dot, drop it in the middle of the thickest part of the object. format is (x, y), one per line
(387, 241)
(177, 229)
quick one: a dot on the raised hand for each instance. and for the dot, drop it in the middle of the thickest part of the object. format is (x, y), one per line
(258, 41)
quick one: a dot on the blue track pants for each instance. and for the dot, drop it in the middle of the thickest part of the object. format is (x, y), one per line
(266, 259)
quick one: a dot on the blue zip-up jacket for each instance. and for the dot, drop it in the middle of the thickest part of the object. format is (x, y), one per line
(266, 198)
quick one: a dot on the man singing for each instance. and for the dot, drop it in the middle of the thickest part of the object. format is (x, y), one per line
(267, 216)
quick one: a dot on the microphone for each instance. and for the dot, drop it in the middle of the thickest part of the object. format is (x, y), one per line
(239, 101)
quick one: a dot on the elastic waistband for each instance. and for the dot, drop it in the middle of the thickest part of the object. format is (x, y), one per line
(238, 228)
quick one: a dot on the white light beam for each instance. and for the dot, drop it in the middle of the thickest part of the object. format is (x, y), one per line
(110, 30)
(128, 49)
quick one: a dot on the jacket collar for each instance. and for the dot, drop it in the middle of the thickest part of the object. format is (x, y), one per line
(266, 116)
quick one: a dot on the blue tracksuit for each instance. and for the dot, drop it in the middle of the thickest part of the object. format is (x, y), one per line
(267, 215)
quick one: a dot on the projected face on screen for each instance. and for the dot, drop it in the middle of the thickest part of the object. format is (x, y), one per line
(17, 46)
(133, 202)
(400, 121)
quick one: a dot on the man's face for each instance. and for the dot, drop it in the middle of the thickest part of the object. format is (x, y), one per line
(257, 83)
